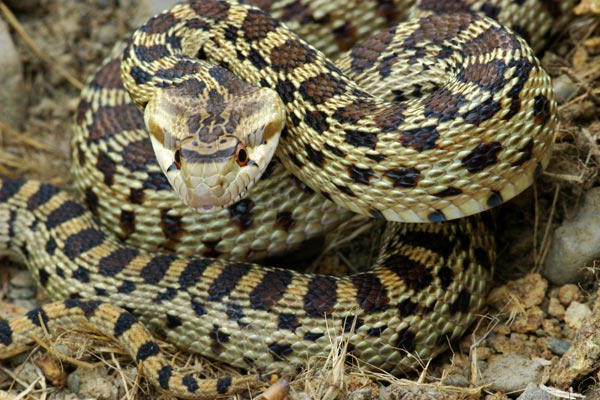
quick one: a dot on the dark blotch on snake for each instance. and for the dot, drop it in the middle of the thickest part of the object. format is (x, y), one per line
(190, 383)
(404, 177)
(270, 290)
(192, 273)
(313, 336)
(321, 296)
(217, 11)
(156, 269)
(284, 220)
(166, 295)
(360, 175)
(314, 156)
(351, 323)
(44, 193)
(257, 25)
(526, 154)
(419, 139)
(288, 321)
(321, 88)
(449, 191)
(116, 261)
(407, 307)
(541, 109)
(371, 294)
(6, 333)
(82, 241)
(461, 303)
(280, 350)
(223, 384)
(482, 156)
(241, 213)
(316, 120)
(126, 286)
(81, 274)
(345, 189)
(160, 23)
(227, 280)
(414, 274)
(360, 138)
(127, 222)
(38, 317)
(124, 322)
(406, 340)
(291, 55)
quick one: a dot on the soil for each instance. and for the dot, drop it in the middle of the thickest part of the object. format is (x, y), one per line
(527, 316)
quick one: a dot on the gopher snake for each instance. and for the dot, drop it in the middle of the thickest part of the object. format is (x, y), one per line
(424, 289)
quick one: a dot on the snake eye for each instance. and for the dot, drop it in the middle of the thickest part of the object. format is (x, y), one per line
(177, 156)
(241, 155)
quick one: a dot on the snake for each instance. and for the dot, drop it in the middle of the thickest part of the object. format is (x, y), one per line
(444, 115)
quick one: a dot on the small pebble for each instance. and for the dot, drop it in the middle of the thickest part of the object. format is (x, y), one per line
(107, 35)
(512, 373)
(557, 346)
(556, 309)
(576, 243)
(533, 392)
(576, 314)
(457, 380)
(12, 101)
(530, 321)
(360, 394)
(564, 88)
(568, 293)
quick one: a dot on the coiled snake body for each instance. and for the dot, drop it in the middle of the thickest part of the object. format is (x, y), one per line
(443, 148)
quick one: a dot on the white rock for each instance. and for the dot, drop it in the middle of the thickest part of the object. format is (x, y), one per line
(576, 314)
(576, 243)
(12, 101)
(512, 373)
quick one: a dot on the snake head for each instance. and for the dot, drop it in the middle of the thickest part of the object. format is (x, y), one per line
(213, 145)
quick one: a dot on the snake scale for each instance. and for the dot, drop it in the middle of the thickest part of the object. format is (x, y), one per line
(443, 116)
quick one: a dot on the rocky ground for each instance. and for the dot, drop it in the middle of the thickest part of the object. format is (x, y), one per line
(538, 338)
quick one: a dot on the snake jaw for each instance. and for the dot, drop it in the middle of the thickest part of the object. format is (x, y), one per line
(197, 142)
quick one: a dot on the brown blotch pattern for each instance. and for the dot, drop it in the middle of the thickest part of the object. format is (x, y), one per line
(321, 296)
(159, 23)
(488, 76)
(414, 274)
(482, 156)
(127, 222)
(292, 54)
(321, 88)
(138, 155)
(109, 76)
(256, 26)
(371, 293)
(271, 288)
(365, 55)
(110, 121)
(541, 109)
(527, 153)
(216, 11)
(284, 220)
(438, 28)
(443, 104)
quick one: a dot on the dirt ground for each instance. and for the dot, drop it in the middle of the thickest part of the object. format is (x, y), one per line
(527, 316)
